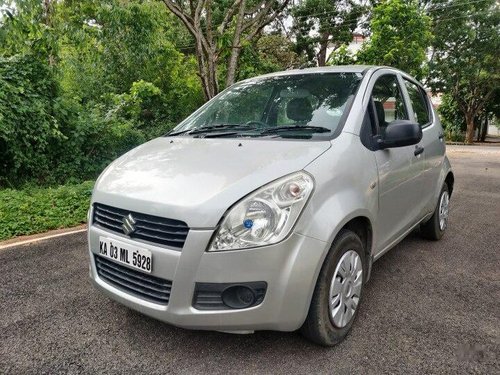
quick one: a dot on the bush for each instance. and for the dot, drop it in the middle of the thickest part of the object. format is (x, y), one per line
(34, 210)
(28, 126)
(49, 138)
(92, 141)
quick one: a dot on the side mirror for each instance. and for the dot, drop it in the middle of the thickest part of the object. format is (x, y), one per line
(400, 133)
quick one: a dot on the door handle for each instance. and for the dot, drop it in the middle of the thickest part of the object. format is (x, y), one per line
(441, 135)
(418, 150)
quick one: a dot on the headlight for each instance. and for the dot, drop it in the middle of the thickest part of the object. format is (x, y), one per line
(266, 216)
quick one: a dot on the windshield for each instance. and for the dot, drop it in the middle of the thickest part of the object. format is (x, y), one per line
(279, 106)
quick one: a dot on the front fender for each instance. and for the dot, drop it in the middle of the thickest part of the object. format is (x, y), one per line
(346, 188)
(443, 176)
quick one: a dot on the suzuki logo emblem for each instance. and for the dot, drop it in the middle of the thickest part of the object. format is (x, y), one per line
(128, 225)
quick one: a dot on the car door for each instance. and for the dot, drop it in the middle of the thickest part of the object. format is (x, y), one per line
(432, 141)
(399, 168)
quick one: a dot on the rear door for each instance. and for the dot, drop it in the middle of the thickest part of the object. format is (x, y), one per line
(432, 141)
(400, 168)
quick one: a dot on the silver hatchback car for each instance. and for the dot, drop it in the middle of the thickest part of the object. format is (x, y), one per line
(266, 208)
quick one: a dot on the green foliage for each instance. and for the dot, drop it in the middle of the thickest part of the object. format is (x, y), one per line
(271, 53)
(50, 138)
(115, 44)
(25, 27)
(452, 120)
(92, 141)
(400, 37)
(320, 24)
(342, 56)
(28, 124)
(34, 210)
(83, 82)
(465, 60)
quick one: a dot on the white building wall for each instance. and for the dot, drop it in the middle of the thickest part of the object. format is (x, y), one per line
(493, 130)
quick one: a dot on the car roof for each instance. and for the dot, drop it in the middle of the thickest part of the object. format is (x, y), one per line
(322, 69)
(359, 69)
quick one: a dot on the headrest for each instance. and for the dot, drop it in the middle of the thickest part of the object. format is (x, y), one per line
(299, 109)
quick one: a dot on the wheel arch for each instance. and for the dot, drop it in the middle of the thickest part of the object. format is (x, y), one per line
(362, 227)
(359, 223)
(450, 181)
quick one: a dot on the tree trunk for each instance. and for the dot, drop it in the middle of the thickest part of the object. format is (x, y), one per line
(48, 10)
(236, 47)
(193, 12)
(484, 129)
(469, 134)
(323, 46)
(211, 54)
(478, 123)
(207, 70)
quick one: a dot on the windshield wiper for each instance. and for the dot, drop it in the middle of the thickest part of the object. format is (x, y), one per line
(314, 129)
(213, 128)
(216, 128)
(177, 133)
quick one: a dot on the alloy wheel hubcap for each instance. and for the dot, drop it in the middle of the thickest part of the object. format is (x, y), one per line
(444, 206)
(345, 289)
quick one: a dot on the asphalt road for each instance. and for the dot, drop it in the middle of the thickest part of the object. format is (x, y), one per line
(430, 307)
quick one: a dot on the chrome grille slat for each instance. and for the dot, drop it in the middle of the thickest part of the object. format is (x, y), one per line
(178, 233)
(155, 229)
(150, 288)
(114, 211)
(108, 217)
(103, 222)
(141, 232)
(164, 224)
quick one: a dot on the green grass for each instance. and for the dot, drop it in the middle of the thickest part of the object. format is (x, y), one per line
(34, 210)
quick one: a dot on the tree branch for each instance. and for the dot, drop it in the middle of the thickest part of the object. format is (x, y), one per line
(229, 16)
(255, 9)
(260, 20)
(181, 14)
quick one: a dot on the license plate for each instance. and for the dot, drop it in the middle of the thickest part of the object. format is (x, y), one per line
(125, 253)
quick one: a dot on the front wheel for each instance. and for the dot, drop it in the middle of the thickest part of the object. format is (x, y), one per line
(338, 291)
(435, 227)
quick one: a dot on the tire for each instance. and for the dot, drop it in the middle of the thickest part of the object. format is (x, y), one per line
(433, 229)
(320, 325)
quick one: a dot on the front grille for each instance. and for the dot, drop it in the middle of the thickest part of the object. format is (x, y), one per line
(149, 228)
(150, 288)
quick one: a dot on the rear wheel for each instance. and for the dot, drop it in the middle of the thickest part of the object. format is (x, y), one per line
(338, 291)
(435, 227)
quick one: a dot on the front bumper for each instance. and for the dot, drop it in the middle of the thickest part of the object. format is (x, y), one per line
(289, 268)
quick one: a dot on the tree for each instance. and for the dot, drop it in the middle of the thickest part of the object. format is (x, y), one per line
(270, 53)
(400, 36)
(490, 110)
(465, 60)
(342, 56)
(321, 24)
(451, 119)
(220, 26)
(27, 27)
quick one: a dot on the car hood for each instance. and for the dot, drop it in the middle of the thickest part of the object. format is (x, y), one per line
(197, 180)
